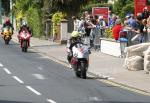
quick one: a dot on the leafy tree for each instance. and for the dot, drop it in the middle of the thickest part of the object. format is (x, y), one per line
(30, 11)
(122, 7)
(70, 7)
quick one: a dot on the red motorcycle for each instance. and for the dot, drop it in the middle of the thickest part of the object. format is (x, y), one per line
(24, 39)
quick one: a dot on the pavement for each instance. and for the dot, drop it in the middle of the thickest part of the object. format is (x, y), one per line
(106, 68)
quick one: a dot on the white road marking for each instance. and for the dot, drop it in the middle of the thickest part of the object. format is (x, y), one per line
(1, 65)
(39, 76)
(19, 80)
(7, 71)
(40, 68)
(95, 99)
(33, 90)
(51, 101)
(111, 78)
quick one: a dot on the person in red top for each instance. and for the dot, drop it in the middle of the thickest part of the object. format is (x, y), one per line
(116, 29)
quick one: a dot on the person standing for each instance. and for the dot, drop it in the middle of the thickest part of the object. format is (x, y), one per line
(75, 23)
(102, 24)
(148, 28)
(145, 13)
(116, 29)
(138, 30)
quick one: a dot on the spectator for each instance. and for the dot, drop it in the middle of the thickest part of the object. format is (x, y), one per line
(116, 29)
(145, 13)
(88, 25)
(148, 27)
(112, 21)
(102, 24)
(86, 15)
(127, 19)
(138, 38)
(97, 20)
(145, 35)
(81, 28)
(132, 21)
(75, 23)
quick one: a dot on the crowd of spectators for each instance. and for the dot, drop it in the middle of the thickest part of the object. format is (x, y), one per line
(135, 27)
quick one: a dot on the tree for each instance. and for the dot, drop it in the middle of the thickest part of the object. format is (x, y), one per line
(122, 7)
(70, 7)
(30, 11)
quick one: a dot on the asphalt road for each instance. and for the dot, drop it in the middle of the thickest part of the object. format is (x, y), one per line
(33, 78)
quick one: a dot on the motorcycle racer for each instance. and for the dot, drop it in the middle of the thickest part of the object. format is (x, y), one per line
(74, 39)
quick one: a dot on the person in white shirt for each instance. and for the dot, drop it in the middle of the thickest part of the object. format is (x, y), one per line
(75, 23)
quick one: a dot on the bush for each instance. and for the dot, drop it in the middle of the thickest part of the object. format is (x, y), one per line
(123, 7)
(56, 19)
(34, 21)
(108, 33)
(129, 8)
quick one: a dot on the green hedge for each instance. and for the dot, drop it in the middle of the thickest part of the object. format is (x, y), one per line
(34, 21)
(56, 19)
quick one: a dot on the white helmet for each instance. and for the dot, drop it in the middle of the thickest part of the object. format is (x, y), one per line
(24, 24)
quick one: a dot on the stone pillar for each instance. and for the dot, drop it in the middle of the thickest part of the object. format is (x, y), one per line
(64, 31)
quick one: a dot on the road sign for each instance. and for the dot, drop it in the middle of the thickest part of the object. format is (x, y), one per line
(101, 11)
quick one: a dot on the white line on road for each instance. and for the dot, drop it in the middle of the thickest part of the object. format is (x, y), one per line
(39, 76)
(51, 101)
(7, 71)
(19, 80)
(40, 68)
(1, 65)
(33, 90)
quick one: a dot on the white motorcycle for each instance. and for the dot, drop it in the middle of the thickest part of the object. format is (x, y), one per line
(80, 60)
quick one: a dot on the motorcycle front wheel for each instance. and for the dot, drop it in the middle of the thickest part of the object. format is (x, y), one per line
(6, 40)
(24, 46)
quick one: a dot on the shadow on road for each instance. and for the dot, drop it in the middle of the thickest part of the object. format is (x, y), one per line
(5, 101)
(51, 45)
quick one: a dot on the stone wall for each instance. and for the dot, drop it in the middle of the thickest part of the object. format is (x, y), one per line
(138, 57)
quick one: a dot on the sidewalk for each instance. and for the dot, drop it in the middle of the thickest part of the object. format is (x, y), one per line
(100, 64)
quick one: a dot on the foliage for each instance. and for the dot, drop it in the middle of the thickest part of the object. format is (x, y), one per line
(30, 10)
(122, 7)
(129, 8)
(56, 19)
(34, 21)
(108, 33)
(70, 7)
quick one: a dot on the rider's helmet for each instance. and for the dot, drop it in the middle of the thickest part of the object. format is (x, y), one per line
(24, 24)
(75, 34)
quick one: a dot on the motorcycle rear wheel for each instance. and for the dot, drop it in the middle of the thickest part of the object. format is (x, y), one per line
(83, 70)
(78, 74)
